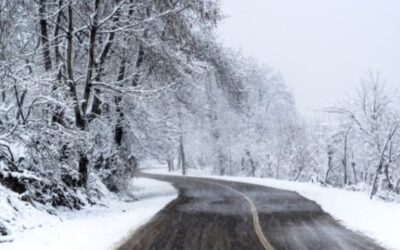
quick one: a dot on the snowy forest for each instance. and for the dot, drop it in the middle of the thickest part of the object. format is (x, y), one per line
(91, 89)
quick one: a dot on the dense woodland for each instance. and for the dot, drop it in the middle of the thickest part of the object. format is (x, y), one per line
(90, 89)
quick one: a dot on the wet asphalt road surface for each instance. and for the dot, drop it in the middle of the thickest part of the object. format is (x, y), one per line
(212, 214)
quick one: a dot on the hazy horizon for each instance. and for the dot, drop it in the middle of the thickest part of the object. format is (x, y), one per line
(322, 48)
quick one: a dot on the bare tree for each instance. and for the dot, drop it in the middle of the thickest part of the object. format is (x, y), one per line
(374, 115)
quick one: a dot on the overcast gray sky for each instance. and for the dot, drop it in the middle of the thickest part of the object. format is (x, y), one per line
(321, 47)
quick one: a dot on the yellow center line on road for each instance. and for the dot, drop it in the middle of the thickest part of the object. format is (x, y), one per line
(256, 222)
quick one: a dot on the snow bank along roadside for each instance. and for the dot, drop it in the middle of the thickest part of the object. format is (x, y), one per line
(377, 219)
(95, 228)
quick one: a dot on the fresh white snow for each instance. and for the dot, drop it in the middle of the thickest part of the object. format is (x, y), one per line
(377, 219)
(96, 228)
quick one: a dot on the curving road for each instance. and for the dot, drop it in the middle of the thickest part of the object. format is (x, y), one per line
(213, 214)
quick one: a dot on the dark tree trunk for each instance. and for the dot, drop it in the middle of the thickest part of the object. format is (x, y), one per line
(20, 101)
(387, 166)
(182, 153)
(329, 169)
(253, 167)
(179, 163)
(170, 163)
(79, 121)
(44, 35)
(96, 104)
(83, 170)
(298, 174)
(397, 187)
(91, 59)
(58, 116)
(181, 149)
(139, 61)
(57, 52)
(119, 130)
(344, 160)
(353, 165)
(375, 182)
(387, 175)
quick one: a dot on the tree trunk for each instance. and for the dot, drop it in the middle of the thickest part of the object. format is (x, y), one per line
(253, 167)
(182, 154)
(344, 160)
(181, 149)
(179, 163)
(20, 101)
(57, 52)
(96, 104)
(118, 131)
(387, 175)
(397, 187)
(91, 59)
(329, 169)
(83, 170)
(44, 36)
(139, 61)
(80, 123)
(298, 173)
(170, 162)
(353, 165)
(375, 182)
(387, 166)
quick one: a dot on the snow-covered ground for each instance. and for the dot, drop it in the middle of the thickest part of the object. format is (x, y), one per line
(95, 228)
(377, 219)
